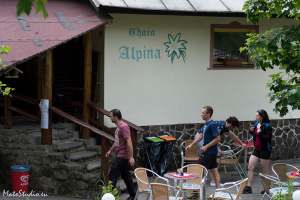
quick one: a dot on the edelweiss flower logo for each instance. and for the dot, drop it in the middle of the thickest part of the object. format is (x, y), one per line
(175, 47)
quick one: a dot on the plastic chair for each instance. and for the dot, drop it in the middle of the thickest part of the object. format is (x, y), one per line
(281, 170)
(232, 158)
(226, 194)
(142, 178)
(188, 156)
(162, 192)
(194, 185)
(272, 186)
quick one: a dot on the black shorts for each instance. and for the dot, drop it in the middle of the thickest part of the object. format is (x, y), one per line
(266, 155)
(209, 162)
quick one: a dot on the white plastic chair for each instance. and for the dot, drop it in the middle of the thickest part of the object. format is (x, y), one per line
(231, 157)
(194, 185)
(225, 192)
(272, 186)
(162, 192)
(281, 170)
(142, 178)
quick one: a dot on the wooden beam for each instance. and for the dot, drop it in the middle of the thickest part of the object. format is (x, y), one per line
(7, 112)
(47, 81)
(87, 84)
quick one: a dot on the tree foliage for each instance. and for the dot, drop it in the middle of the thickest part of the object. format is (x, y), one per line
(277, 48)
(4, 90)
(25, 7)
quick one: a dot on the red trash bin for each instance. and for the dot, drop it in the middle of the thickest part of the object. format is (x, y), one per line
(20, 178)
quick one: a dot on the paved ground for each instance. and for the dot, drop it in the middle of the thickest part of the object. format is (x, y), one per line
(257, 187)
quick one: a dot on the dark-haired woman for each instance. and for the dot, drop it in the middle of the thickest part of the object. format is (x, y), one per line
(262, 138)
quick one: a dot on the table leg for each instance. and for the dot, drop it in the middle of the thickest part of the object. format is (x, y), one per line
(202, 195)
(245, 159)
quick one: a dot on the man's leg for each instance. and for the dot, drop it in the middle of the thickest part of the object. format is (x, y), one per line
(127, 178)
(115, 171)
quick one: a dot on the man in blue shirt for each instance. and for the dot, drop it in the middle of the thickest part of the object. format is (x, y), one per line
(208, 138)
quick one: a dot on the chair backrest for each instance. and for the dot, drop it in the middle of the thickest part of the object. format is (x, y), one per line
(266, 182)
(142, 179)
(198, 170)
(241, 186)
(281, 170)
(193, 151)
(160, 191)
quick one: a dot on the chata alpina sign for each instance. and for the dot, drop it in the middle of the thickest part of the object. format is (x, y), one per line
(173, 46)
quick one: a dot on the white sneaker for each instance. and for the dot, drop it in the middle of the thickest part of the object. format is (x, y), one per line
(212, 184)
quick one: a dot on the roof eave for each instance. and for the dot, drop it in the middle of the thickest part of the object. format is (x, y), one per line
(122, 10)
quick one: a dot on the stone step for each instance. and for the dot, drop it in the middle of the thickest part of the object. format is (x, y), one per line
(95, 148)
(71, 166)
(92, 176)
(64, 125)
(87, 142)
(62, 134)
(82, 155)
(68, 146)
(93, 165)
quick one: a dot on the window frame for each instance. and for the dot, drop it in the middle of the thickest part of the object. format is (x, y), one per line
(233, 25)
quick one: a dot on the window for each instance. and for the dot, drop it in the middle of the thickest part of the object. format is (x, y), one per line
(226, 40)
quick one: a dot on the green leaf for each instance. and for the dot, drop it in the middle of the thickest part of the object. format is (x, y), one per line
(24, 6)
(40, 7)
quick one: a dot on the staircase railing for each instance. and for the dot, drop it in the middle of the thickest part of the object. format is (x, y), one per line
(106, 133)
(81, 123)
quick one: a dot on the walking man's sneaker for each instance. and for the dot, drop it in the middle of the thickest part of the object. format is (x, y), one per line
(247, 190)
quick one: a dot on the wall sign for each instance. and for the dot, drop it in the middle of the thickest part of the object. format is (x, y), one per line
(173, 47)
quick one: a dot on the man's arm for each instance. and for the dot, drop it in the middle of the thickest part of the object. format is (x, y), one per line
(130, 151)
(214, 142)
(112, 148)
(197, 138)
(235, 138)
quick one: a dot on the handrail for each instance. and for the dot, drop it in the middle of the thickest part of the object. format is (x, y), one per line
(81, 123)
(26, 114)
(106, 113)
(25, 99)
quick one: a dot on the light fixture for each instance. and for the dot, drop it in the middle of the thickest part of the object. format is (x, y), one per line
(13, 72)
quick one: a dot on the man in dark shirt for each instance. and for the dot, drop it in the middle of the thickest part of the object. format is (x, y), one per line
(211, 139)
(208, 135)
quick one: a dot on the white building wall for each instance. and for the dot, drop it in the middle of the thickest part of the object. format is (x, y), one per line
(156, 91)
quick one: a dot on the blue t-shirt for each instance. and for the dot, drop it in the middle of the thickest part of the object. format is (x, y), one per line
(211, 130)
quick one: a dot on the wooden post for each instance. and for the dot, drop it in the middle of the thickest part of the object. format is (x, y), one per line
(134, 142)
(47, 94)
(7, 112)
(87, 84)
(104, 161)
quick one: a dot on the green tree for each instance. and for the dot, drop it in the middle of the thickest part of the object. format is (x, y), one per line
(277, 48)
(23, 7)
